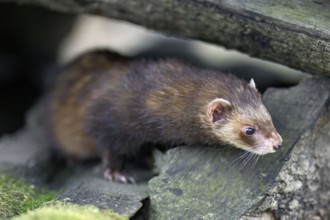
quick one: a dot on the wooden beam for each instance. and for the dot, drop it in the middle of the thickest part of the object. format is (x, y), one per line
(293, 33)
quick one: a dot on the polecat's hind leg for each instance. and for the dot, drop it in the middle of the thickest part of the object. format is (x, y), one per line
(113, 165)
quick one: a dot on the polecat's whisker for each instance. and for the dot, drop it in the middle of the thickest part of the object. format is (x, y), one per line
(238, 157)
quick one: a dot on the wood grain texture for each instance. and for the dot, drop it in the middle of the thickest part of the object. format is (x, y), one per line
(293, 33)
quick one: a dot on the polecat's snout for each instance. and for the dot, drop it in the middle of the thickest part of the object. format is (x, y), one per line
(277, 142)
(262, 143)
(277, 147)
(265, 144)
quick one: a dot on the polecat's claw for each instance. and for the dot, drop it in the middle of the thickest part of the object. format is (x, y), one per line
(131, 179)
(107, 175)
(117, 176)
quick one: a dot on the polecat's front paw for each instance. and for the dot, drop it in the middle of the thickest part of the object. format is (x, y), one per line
(117, 176)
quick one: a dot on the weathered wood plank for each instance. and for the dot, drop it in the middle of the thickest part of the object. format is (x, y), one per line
(294, 33)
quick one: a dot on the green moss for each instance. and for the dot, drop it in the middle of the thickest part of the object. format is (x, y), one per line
(17, 196)
(58, 210)
(262, 187)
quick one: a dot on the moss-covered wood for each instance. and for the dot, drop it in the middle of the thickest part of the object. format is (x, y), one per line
(294, 33)
(17, 196)
(60, 211)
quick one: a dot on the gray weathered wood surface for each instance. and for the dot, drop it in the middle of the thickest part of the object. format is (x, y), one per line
(294, 33)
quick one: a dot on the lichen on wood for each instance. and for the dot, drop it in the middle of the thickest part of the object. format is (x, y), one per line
(302, 189)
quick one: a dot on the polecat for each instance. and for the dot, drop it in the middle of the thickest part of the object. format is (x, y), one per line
(105, 105)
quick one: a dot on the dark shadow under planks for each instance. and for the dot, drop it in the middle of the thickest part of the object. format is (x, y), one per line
(204, 183)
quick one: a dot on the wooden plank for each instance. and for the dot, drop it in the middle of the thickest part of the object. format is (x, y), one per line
(294, 33)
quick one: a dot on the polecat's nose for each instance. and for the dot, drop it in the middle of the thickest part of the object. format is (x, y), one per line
(277, 147)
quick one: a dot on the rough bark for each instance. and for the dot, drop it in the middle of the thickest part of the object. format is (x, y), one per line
(294, 33)
(302, 188)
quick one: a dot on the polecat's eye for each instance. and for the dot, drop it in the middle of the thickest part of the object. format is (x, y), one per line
(249, 131)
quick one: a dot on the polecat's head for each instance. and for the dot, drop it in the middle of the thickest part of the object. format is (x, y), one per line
(243, 121)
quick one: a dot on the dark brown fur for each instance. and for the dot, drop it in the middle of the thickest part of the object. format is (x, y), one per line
(108, 105)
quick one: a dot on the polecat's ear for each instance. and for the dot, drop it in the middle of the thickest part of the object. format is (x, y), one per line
(252, 84)
(217, 110)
